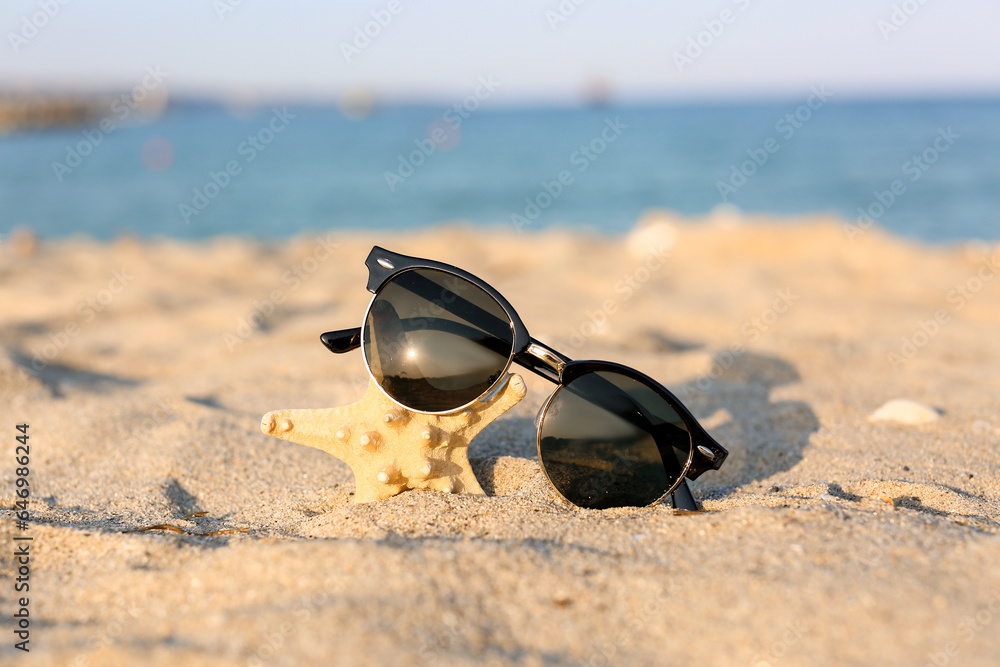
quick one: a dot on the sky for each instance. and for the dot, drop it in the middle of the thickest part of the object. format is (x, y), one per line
(537, 51)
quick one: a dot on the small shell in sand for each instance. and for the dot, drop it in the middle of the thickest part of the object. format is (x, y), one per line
(905, 411)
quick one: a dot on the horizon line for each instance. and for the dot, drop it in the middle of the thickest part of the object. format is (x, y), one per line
(245, 99)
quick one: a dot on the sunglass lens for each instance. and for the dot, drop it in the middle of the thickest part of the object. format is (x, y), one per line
(609, 440)
(435, 341)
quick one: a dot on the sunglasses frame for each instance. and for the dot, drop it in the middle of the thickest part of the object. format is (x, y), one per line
(383, 265)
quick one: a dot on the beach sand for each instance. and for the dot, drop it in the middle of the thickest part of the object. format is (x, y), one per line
(144, 367)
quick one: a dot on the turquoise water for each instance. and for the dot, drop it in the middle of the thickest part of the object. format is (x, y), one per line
(924, 169)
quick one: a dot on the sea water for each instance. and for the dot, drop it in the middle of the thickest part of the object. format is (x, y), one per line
(924, 169)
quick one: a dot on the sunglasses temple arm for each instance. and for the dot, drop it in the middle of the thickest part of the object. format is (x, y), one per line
(683, 499)
(342, 341)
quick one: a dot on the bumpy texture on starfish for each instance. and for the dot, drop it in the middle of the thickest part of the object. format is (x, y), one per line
(391, 449)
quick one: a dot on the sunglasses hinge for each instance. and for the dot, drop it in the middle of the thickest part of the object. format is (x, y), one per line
(550, 360)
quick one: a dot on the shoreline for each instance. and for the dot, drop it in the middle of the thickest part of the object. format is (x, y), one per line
(723, 216)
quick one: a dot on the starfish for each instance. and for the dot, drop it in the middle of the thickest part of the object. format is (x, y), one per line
(391, 449)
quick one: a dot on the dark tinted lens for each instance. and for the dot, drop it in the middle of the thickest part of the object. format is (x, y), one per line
(435, 341)
(607, 440)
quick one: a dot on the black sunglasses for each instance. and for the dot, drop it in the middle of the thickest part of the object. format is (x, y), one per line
(437, 339)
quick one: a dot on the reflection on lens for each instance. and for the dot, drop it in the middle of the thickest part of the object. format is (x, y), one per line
(435, 341)
(607, 440)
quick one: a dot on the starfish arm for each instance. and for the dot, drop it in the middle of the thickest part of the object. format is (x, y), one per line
(391, 449)
(325, 429)
(503, 400)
